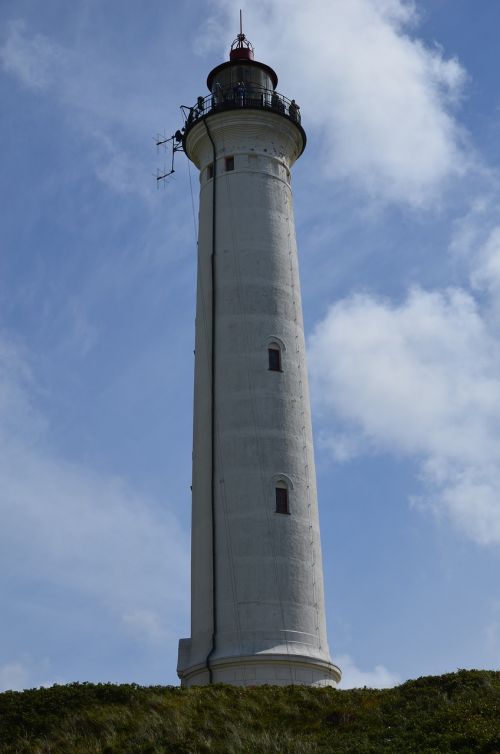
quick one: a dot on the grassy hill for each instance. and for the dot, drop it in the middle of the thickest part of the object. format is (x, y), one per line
(459, 712)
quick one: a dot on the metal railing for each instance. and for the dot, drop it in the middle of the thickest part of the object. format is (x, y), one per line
(239, 96)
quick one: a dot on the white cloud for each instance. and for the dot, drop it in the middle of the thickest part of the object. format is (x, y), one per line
(378, 100)
(475, 247)
(91, 534)
(491, 631)
(144, 624)
(16, 381)
(354, 678)
(486, 272)
(420, 379)
(83, 531)
(471, 229)
(19, 674)
(342, 445)
(117, 168)
(93, 91)
(475, 239)
(35, 61)
(13, 677)
(40, 63)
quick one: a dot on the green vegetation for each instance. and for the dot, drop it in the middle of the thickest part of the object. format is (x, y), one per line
(459, 712)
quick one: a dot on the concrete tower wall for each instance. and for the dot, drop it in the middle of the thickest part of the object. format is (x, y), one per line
(268, 590)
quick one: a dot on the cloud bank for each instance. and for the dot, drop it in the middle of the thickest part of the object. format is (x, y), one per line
(418, 379)
(13, 677)
(354, 678)
(377, 102)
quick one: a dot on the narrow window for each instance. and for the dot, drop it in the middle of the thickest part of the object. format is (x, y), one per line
(274, 354)
(282, 499)
(229, 163)
(210, 171)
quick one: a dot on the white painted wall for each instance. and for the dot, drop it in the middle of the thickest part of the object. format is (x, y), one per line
(269, 583)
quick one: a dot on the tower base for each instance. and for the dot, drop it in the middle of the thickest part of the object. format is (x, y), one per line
(258, 670)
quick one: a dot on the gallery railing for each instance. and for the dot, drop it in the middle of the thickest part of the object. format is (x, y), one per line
(239, 96)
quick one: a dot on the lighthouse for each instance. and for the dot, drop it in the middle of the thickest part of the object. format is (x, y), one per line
(257, 597)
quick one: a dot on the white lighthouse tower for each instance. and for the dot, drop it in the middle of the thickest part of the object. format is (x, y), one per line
(257, 604)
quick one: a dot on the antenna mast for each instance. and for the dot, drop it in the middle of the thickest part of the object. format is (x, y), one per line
(176, 146)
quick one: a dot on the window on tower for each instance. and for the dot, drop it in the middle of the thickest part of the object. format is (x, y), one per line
(274, 356)
(282, 498)
(229, 163)
(210, 171)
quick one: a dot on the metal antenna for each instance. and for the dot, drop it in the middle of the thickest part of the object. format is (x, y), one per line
(241, 23)
(175, 142)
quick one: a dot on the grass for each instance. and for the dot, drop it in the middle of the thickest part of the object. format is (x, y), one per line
(458, 712)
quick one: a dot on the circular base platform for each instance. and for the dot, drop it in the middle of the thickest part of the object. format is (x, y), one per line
(258, 670)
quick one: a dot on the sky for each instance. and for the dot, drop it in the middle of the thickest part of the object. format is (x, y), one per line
(398, 225)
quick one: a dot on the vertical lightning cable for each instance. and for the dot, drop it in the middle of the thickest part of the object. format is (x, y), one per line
(192, 203)
(212, 492)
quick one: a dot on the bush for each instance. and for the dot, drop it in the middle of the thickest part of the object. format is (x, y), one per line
(458, 712)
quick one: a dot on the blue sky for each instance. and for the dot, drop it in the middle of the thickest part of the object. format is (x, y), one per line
(396, 202)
